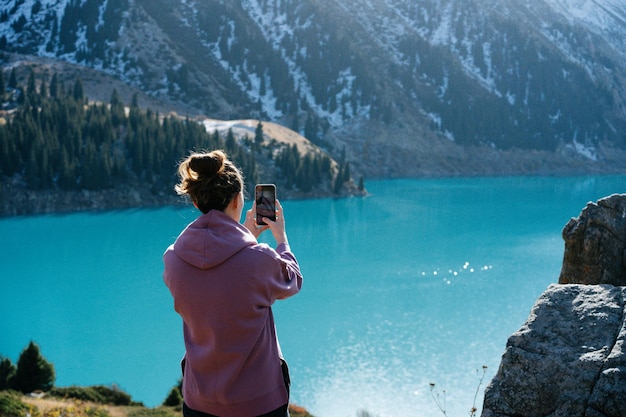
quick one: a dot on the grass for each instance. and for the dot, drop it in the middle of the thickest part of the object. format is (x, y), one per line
(13, 404)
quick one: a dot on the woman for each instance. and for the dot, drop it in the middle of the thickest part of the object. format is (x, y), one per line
(224, 283)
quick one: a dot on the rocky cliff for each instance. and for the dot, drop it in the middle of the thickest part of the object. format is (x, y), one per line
(569, 358)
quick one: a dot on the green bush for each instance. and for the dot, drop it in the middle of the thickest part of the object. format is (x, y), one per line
(174, 398)
(11, 405)
(79, 393)
(113, 396)
(97, 394)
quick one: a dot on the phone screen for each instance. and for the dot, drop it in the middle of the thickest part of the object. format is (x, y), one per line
(265, 197)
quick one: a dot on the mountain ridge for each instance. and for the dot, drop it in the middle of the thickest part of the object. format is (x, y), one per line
(443, 80)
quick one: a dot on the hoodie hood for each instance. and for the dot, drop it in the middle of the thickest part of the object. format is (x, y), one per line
(212, 239)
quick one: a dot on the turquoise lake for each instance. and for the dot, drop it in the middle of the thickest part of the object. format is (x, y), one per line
(422, 281)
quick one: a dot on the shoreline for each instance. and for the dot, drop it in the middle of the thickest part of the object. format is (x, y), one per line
(21, 202)
(17, 201)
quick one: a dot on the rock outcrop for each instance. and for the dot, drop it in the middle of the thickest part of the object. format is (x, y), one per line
(595, 244)
(569, 358)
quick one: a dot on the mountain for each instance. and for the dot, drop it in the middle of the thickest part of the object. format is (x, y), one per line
(400, 87)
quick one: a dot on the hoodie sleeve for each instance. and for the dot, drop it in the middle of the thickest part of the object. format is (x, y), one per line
(290, 272)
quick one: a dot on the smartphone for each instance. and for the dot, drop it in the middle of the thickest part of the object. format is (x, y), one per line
(265, 197)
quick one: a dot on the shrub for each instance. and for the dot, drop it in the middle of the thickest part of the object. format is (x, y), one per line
(174, 398)
(113, 395)
(78, 393)
(97, 394)
(11, 405)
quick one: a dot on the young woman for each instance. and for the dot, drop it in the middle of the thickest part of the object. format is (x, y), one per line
(224, 283)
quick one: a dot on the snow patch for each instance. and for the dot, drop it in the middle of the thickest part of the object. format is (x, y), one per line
(435, 118)
(441, 36)
(510, 97)
(588, 152)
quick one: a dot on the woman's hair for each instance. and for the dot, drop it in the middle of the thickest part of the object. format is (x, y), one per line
(210, 179)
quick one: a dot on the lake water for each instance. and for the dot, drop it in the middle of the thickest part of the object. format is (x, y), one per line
(423, 281)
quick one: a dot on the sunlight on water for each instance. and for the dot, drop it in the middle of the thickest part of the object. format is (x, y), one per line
(385, 367)
(449, 274)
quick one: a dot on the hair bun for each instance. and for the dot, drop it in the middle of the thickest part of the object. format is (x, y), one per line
(207, 164)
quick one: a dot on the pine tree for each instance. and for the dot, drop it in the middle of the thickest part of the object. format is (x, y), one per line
(78, 92)
(135, 101)
(31, 88)
(231, 143)
(58, 140)
(54, 86)
(21, 96)
(346, 172)
(117, 109)
(340, 179)
(7, 372)
(311, 127)
(13, 79)
(33, 371)
(43, 88)
(258, 136)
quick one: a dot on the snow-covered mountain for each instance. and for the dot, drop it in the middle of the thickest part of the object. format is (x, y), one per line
(403, 87)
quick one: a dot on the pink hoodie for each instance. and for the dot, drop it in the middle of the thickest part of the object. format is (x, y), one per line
(224, 283)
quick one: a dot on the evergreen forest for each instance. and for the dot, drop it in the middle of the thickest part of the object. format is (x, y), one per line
(53, 137)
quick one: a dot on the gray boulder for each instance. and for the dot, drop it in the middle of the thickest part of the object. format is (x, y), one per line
(568, 359)
(595, 244)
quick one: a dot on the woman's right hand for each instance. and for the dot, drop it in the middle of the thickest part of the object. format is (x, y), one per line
(278, 226)
(250, 222)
